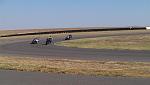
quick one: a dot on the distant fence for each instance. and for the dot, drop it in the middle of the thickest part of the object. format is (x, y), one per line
(78, 30)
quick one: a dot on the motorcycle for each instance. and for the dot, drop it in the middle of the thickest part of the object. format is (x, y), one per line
(35, 41)
(69, 37)
(49, 41)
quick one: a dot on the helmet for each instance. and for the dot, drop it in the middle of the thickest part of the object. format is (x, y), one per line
(50, 37)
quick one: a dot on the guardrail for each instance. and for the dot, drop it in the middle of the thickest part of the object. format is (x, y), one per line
(78, 30)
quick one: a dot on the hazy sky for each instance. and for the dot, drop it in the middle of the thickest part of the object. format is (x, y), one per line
(22, 14)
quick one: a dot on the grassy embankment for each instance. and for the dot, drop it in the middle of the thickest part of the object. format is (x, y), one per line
(85, 67)
(132, 42)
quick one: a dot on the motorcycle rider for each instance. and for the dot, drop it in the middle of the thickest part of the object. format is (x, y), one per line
(35, 41)
(68, 37)
(49, 40)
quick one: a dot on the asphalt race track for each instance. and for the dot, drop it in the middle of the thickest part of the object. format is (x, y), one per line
(25, 78)
(52, 51)
(24, 48)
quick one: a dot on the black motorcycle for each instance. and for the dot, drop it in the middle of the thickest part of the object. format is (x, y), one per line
(69, 37)
(35, 41)
(49, 41)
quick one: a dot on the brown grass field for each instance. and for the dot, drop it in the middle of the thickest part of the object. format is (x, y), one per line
(8, 32)
(82, 67)
(128, 42)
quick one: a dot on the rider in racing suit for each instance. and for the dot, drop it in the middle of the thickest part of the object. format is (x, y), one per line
(49, 40)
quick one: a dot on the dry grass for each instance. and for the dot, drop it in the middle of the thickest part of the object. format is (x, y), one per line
(8, 32)
(132, 42)
(65, 66)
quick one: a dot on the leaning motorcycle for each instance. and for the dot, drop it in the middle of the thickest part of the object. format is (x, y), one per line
(35, 41)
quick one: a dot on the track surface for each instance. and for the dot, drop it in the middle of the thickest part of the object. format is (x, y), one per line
(23, 48)
(52, 51)
(24, 78)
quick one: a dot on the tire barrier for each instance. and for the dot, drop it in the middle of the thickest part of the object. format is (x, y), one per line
(78, 30)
